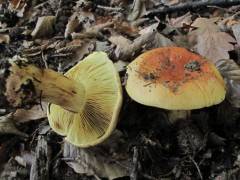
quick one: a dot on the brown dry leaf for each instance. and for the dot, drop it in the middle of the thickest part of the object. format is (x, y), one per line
(44, 27)
(149, 38)
(7, 126)
(138, 10)
(4, 39)
(211, 42)
(123, 48)
(76, 50)
(35, 113)
(180, 21)
(236, 32)
(100, 160)
(18, 6)
(72, 25)
(231, 73)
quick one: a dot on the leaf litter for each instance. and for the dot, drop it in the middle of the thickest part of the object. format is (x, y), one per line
(58, 34)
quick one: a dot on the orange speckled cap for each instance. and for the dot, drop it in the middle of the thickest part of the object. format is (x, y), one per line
(174, 78)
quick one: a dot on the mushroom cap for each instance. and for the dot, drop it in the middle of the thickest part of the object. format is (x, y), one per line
(174, 78)
(99, 115)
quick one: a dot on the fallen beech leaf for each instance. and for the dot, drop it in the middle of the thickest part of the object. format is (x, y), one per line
(149, 38)
(211, 42)
(44, 27)
(236, 32)
(98, 160)
(35, 113)
(231, 73)
(180, 21)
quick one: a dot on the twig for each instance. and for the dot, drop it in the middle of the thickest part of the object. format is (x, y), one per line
(197, 167)
(134, 171)
(107, 8)
(192, 5)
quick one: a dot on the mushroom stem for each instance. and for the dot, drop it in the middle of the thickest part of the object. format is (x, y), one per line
(176, 115)
(27, 83)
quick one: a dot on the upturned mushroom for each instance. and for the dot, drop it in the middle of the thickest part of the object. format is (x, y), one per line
(83, 104)
(174, 78)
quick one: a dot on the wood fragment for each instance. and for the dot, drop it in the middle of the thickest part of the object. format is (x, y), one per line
(192, 5)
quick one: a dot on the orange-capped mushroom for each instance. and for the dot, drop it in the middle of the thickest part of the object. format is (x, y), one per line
(174, 78)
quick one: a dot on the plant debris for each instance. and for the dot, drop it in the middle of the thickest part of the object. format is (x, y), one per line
(147, 143)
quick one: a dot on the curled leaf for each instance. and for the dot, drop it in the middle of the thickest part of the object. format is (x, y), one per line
(44, 27)
(230, 70)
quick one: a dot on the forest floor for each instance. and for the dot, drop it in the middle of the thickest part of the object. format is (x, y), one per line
(146, 144)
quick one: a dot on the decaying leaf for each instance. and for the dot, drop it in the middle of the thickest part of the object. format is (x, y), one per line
(138, 10)
(72, 25)
(236, 32)
(77, 49)
(7, 126)
(44, 27)
(211, 42)
(4, 39)
(91, 32)
(231, 73)
(149, 38)
(99, 160)
(83, 18)
(180, 21)
(17, 6)
(35, 113)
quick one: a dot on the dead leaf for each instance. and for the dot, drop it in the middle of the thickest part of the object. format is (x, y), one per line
(75, 50)
(7, 126)
(180, 21)
(4, 39)
(231, 73)
(236, 32)
(170, 2)
(138, 10)
(72, 25)
(35, 113)
(211, 42)
(123, 48)
(120, 65)
(91, 32)
(16, 4)
(44, 27)
(149, 38)
(99, 160)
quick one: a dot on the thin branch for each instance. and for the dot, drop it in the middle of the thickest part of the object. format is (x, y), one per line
(107, 8)
(192, 5)
(197, 167)
(134, 171)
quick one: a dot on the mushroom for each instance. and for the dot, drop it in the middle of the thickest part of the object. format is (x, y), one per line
(83, 104)
(174, 78)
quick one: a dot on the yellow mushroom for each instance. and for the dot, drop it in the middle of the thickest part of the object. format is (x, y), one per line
(174, 78)
(84, 103)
